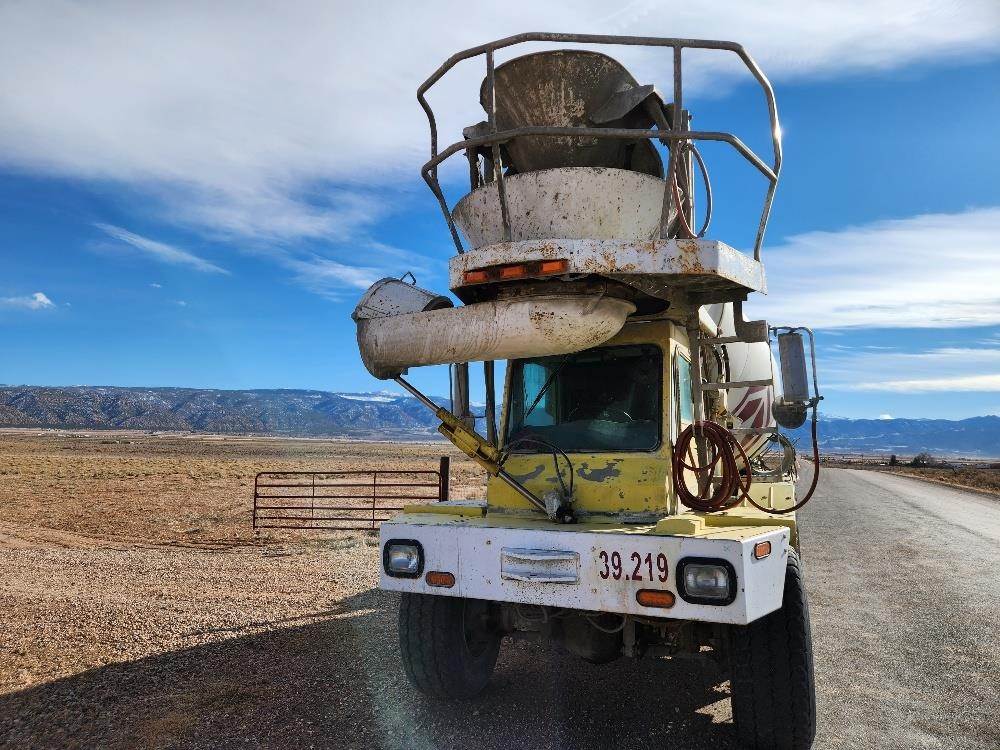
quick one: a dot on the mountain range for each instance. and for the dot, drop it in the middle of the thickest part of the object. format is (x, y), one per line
(304, 413)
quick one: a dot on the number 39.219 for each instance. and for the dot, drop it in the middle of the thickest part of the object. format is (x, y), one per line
(637, 568)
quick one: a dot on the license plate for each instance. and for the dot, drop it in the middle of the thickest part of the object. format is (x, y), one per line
(625, 565)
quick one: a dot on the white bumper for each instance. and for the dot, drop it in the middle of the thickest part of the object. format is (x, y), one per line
(574, 569)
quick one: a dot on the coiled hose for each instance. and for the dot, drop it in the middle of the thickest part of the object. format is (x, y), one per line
(731, 487)
(714, 493)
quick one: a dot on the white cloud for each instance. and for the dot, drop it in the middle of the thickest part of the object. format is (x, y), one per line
(181, 303)
(337, 280)
(154, 285)
(160, 250)
(973, 383)
(241, 119)
(933, 370)
(885, 416)
(36, 301)
(329, 278)
(933, 271)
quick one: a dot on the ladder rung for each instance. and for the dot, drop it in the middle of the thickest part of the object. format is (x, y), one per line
(734, 384)
(724, 340)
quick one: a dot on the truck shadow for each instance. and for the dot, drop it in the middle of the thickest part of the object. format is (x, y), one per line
(336, 682)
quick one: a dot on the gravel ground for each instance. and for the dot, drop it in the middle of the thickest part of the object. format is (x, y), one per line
(117, 635)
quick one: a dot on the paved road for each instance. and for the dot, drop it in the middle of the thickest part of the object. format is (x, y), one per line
(905, 595)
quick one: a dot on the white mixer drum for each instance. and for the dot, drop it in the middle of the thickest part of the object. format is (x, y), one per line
(750, 407)
(567, 203)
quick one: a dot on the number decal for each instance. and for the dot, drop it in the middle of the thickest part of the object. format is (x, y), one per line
(610, 566)
(661, 565)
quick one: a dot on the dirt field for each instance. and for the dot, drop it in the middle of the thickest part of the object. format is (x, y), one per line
(128, 560)
(138, 609)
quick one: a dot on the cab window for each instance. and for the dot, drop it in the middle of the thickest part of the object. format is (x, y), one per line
(683, 401)
(603, 399)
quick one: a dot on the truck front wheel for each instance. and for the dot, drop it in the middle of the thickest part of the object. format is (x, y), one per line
(448, 645)
(773, 692)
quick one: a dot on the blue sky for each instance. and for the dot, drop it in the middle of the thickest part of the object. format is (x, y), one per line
(196, 196)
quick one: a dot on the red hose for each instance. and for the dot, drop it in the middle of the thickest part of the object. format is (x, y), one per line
(723, 447)
(730, 488)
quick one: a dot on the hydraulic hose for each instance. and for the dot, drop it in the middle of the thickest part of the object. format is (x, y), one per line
(815, 479)
(730, 488)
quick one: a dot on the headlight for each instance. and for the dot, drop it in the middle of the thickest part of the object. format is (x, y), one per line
(403, 558)
(706, 581)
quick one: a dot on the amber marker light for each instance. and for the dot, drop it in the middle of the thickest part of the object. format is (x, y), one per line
(761, 550)
(655, 598)
(440, 579)
(553, 266)
(517, 271)
(475, 277)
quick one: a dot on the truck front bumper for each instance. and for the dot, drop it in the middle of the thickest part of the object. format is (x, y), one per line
(589, 566)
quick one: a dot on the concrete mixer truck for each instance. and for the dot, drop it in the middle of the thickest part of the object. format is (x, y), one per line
(630, 508)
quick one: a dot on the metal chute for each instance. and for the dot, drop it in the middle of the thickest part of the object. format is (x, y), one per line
(534, 326)
(573, 88)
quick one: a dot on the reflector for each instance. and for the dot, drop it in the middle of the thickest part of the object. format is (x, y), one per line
(553, 266)
(440, 578)
(475, 277)
(513, 272)
(655, 598)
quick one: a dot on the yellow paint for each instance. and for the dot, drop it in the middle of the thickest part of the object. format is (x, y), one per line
(607, 482)
(610, 485)
(683, 525)
(738, 530)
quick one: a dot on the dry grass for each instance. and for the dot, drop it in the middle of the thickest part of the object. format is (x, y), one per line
(110, 545)
(177, 489)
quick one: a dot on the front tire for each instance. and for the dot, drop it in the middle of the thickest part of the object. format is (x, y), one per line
(773, 688)
(447, 644)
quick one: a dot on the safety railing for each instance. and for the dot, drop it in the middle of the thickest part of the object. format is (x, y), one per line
(674, 136)
(347, 500)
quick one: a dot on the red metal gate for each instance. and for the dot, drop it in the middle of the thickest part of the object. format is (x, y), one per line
(341, 499)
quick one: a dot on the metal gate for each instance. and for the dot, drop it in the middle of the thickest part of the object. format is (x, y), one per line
(350, 500)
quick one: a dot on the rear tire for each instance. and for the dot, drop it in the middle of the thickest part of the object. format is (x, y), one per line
(773, 689)
(447, 645)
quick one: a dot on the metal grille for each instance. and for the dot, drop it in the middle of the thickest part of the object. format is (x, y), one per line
(341, 499)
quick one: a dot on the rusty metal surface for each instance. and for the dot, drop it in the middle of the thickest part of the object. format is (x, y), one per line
(341, 499)
(570, 88)
(567, 202)
(674, 136)
(657, 265)
(497, 329)
(392, 296)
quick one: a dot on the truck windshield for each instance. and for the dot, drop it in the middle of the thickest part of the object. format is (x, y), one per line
(604, 399)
